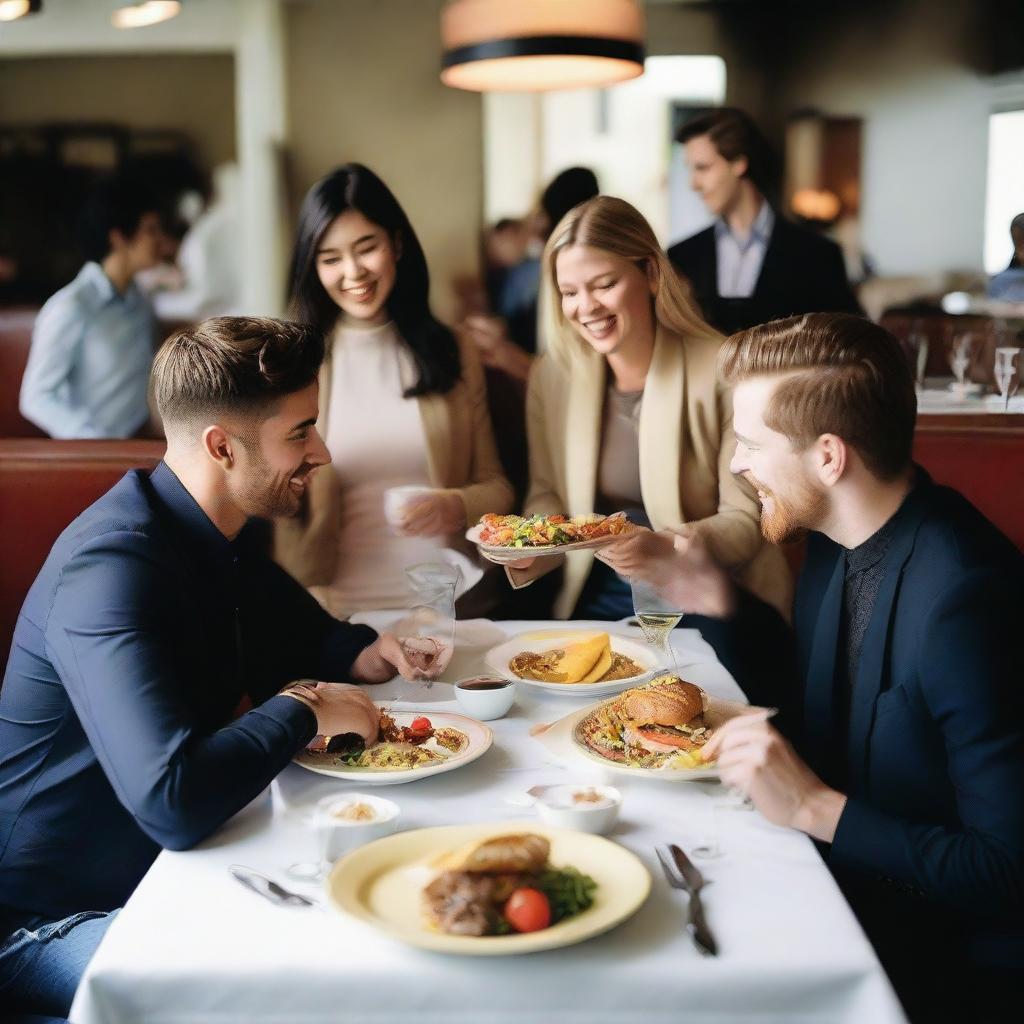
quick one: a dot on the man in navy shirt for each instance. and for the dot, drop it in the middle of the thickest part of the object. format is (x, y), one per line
(900, 739)
(151, 620)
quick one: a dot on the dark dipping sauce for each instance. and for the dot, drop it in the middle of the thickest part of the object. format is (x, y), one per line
(483, 683)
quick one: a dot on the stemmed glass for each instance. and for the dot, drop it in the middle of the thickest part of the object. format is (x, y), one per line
(657, 616)
(1005, 371)
(917, 345)
(960, 357)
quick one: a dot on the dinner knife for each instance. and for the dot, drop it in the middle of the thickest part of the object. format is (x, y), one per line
(268, 888)
(697, 924)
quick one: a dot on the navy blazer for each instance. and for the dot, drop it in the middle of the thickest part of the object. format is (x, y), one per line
(933, 755)
(141, 634)
(802, 272)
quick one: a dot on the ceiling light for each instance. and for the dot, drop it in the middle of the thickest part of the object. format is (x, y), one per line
(538, 45)
(148, 12)
(11, 10)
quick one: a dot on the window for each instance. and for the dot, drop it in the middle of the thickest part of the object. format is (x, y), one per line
(1005, 189)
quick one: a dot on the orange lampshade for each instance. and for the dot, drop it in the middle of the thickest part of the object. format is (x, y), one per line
(147, 12)
(11, 10)
(539, 45)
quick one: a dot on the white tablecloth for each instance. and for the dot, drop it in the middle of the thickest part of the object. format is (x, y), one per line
(193, 945)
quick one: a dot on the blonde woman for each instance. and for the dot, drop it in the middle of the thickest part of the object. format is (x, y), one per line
(625, 410)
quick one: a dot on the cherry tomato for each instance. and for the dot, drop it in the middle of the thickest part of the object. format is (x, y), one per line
(420, 724)
(528, 910)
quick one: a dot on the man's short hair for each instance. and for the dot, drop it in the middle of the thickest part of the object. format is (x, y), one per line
(233, 365)
(845, 376)
(734, 134)
(117, 202)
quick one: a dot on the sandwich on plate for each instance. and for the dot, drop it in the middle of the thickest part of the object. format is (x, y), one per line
(660, 725)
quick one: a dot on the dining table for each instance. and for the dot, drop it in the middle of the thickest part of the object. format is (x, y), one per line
(193, 945)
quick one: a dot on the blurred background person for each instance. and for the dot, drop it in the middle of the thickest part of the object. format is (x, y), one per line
(92, 344)
(1008, 284)
(502, 339)
(625, 411)
(402, 403)
(752, 265)
(208, 261)
(506, 337)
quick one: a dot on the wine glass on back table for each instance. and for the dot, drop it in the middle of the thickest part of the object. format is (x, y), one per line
(657, 617)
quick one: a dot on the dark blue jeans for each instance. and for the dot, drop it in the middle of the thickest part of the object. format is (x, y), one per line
(42, 962)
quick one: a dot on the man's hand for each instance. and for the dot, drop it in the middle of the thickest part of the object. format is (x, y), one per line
(385, 658)
(433, 515)
(339, 708)
(756, 759)
(679, 565)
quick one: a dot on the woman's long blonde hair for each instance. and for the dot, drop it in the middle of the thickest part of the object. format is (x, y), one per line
(614, 226)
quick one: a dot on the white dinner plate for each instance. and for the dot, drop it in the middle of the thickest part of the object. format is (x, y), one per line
(381, 884)
(502, 554)
(561, 739)
(499, 659)
(480, 737)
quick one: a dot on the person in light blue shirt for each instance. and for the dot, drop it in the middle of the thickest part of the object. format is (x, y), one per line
(92, 344)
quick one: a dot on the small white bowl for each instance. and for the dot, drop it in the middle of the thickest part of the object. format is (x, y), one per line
(487, 703)
(342, 828)
(580, 806)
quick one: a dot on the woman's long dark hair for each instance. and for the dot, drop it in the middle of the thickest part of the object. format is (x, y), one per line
(355, 187)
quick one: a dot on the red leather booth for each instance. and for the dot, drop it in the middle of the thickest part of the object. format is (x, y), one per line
(44, 485)
(15, 340)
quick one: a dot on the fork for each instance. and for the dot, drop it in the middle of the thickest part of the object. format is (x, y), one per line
(696, 924)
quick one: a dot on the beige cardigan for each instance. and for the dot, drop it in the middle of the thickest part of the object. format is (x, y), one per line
(461, 459)
(686, 443)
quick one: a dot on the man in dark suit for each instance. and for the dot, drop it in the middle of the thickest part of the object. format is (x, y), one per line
(751, 265)
(151, 622)
(902, 750)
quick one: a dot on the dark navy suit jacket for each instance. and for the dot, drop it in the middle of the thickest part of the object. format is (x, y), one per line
(932, 758)
(141, 634)
(802, 272)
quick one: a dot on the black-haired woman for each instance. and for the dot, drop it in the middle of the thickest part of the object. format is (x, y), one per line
(402, 403)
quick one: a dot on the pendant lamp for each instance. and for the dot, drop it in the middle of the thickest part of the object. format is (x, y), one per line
(11, 10)
(145, 13)
(539, 45)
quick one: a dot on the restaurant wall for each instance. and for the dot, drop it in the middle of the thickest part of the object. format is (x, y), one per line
(678, 29)
(193, 94)
(362, 84)
(913, 77)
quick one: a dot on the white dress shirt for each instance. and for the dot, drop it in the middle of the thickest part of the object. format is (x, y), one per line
(740, 259)
(88, 367)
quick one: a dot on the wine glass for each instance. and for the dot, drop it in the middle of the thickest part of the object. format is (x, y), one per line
(917, 346)
(1005, 371)
(657, 617)
(960, 357)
